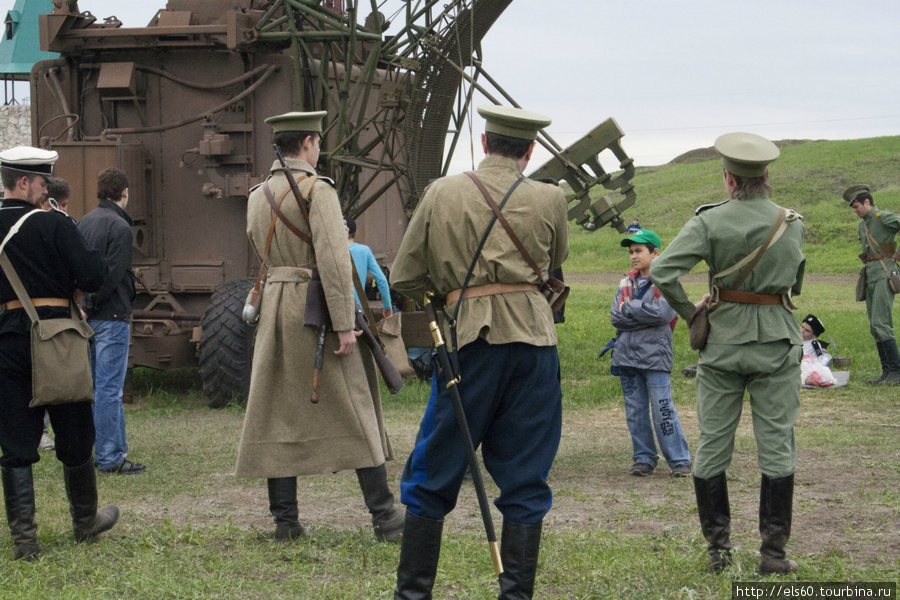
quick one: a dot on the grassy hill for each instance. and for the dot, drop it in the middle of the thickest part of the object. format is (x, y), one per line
(809, 178)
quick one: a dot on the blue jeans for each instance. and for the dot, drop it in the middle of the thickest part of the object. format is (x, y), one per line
(645, 389)
(109, 362)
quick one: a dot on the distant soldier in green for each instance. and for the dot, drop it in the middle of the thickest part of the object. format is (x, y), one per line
(754, 343)
(877, 229)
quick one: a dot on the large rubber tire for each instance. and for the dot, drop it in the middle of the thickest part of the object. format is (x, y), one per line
(226, 347)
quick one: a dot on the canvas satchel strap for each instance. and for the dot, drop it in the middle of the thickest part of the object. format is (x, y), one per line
(751, 259)
(11, 274)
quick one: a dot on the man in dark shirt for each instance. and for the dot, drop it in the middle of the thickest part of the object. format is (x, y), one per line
(52, 261)
(107, 229)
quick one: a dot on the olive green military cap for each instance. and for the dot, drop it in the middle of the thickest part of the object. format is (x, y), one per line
(853, 191)
(746, 154)
(297, 121)
(513, 122)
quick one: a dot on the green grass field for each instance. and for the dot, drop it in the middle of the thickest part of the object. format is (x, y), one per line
(190, 530)
(808, 178)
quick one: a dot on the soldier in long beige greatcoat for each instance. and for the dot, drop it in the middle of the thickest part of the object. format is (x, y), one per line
(285, 434)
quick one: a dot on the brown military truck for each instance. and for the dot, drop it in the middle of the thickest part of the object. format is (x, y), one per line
(180, 106)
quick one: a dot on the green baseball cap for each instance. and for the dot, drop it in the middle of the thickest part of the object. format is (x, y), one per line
(746, 154)
(853, 191)
(297, 121)
(513, 122)
(643, 236)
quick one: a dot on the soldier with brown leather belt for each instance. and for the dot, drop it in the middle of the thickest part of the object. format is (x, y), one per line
(877, 229)
(505, 343)
(754, 343)
(52, 260)
(285, 434)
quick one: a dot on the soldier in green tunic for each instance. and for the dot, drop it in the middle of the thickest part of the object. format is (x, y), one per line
(505, 346)
(877, 229)
(754, 344)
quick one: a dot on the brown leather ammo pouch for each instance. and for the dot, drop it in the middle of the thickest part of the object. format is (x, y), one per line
(316, 307)
(555, 291)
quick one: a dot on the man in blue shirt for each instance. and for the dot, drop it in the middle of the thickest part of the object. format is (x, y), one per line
(365, 262)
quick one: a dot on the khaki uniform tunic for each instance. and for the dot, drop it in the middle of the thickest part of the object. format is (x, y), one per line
(751, 347)
(444, 234)
(284, 434)
(883, 227)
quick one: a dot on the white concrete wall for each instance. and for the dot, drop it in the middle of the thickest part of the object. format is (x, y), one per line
(15, 126)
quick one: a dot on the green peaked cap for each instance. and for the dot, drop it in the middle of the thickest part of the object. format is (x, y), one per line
(853, 191)
(513, 122)
(746, 154)
(642, 236)
(297, 121)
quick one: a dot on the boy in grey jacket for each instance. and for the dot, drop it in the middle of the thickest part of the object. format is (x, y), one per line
(643, 358)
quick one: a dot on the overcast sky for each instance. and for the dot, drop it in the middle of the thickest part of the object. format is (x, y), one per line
(677, 74)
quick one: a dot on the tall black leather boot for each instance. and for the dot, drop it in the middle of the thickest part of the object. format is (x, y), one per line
(81, 489)
(519, 547)
(715, 520)
(387, 519)
(884, 367)
(420, 549)
(892, 361)
(776, 500)
(18, 493)
(283, 506)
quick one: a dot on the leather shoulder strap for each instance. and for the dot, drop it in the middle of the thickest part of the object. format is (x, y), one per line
(875, 245)
(276, 208)
(506, 225)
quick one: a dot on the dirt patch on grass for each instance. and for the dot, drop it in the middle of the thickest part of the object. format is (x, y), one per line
(846, 501)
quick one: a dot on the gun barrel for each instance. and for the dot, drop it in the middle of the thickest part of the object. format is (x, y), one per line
(392, 378)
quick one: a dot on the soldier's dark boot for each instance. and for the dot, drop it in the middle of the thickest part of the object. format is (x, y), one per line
(81, 489)
(519, 547)
(420, 549)
(892, 359)
(387, 519)
(18, 493)
(776, 500)
(884, 369)
(283, 506)
(715, 520)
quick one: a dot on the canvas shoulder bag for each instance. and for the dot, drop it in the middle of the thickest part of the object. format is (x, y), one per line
(60, 348)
